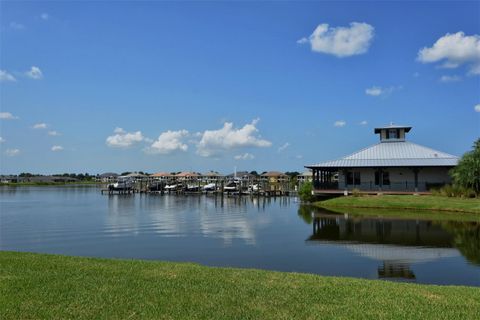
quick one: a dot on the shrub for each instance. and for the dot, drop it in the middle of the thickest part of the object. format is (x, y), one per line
(356, 192)
(305, 192)
(467, 173)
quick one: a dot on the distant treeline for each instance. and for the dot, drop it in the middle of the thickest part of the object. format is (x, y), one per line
(79, 176)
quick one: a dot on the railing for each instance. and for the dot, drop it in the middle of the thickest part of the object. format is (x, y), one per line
(406, 186)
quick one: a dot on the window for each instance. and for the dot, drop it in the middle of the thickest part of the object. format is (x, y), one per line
(353, 178)
(385, 178)
(349, 177)
(392, 134)
(356, 178)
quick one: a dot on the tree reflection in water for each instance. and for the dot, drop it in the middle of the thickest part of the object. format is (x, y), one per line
(397, 242)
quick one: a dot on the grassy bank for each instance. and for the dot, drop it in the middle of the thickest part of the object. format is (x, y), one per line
(435, 203)
(49, 286)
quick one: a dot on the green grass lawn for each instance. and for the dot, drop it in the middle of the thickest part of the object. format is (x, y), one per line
(50, 286)
(437, 203)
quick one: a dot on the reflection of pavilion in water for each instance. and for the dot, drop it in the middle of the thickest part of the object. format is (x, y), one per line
(397, 243)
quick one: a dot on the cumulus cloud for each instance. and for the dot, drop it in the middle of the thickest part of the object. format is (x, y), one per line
(123, 139)
(454, 50)
(12, 152)
(57, 148)
(168, 142)
(5, 76)
(446, 79)
(376, 91)
(477, 108)
(2, 140)
(245, 156)
(34, 73)
(44, 16)
(363, 123)
(16, 25)
(54, 133)
(40, 126)
(340, 123)
(341, 41)
(214, 142)
(283, 147)
(7, 116)
(373, 91)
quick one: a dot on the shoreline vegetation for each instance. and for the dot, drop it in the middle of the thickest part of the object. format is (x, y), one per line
(53, 286)
(34, 184)
(424, 203)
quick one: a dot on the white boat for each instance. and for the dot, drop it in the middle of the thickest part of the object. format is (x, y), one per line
(231, 186)
(171, 187)
(192, 187)
(209, 187)
(123, 183)
(254, 188)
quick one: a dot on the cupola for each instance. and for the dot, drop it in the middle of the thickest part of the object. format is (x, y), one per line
(392, 133)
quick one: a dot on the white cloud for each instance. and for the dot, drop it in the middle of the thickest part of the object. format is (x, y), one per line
(245, 156)
(123, 139)
(5, 76)
(299, 156)
(2, 140)
(214, 142)
(341, 41)
(40, 126)
(454, 50)
(7, 116)
(363, 123)
(54, 133)
(12, 152)
(44, 16)
(168, 142)
(416, 75)
(340, 123)
(477, 108)
(285, 146)
(34, 73)
(450, 78)
(16, 25)
(373, 91)
(57, 148)
(376, 91)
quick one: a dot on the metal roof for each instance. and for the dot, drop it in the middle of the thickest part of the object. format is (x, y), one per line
(392, 126)
(393, 154)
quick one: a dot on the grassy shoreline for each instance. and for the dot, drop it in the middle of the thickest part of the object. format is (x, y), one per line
(51, 184)
(52, 286)
(405, 202)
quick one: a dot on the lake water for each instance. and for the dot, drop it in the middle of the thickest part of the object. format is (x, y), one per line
(265, 233)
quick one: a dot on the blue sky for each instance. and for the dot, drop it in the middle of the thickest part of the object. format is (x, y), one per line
(165, 86)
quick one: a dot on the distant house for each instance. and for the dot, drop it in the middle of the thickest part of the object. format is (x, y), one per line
(242, 175)
(187, 176)
(211, 177)
(274, 177)
(307, 176)
(394, 165)
(107, 177)
(9, 179)
(162, 176)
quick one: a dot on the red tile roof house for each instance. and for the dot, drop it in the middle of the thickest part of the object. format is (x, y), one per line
(394, 165)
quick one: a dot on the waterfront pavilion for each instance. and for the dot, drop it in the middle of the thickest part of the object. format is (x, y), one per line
(394, 165)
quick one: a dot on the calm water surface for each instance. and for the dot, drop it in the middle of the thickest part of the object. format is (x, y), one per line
(274, 234)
